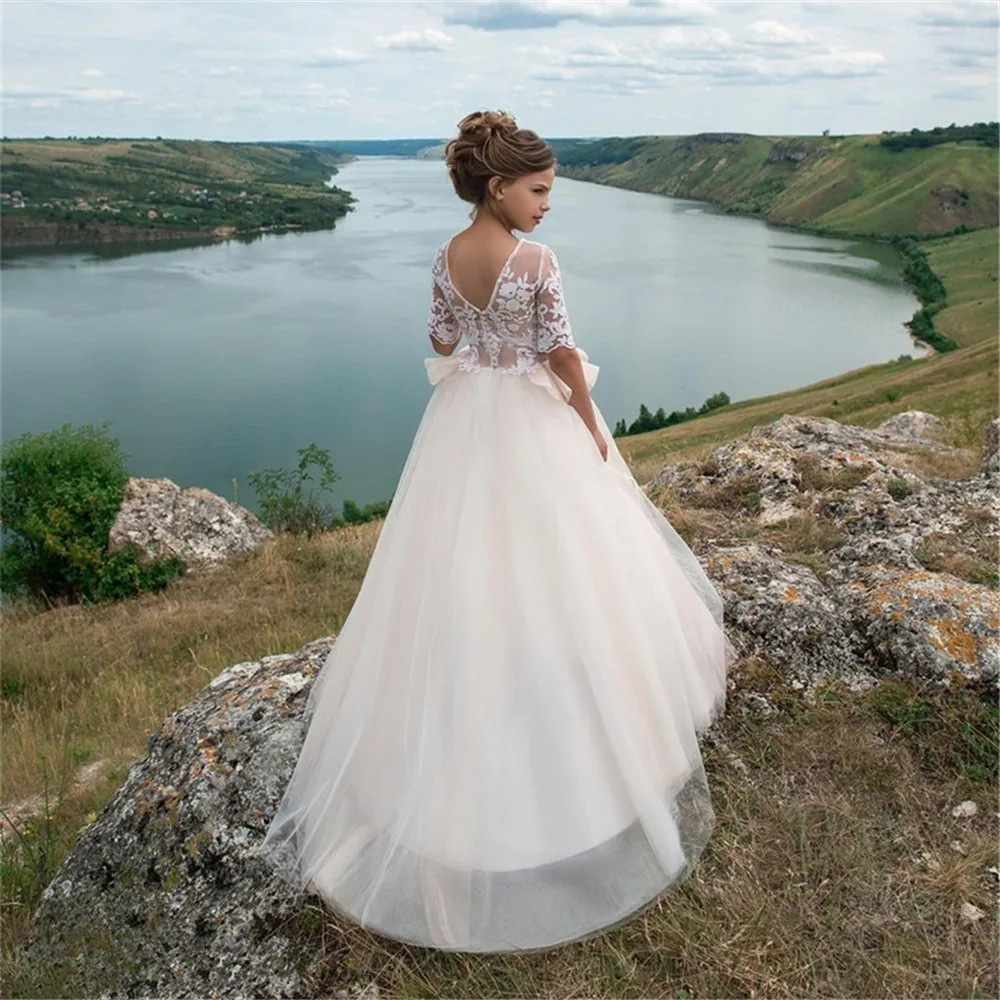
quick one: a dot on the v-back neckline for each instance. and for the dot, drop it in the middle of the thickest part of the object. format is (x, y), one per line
(496, 284)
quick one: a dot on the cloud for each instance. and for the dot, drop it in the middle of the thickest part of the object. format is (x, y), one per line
(776, 33)
(336, 56)
(968, 14)
(225, 71)
(91, 72)
(509, 15)
(424, 40)
(710, 53)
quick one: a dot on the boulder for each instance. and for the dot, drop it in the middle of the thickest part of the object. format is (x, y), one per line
(160, 519)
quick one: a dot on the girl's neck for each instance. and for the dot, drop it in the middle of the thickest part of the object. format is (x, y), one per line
(487, 219)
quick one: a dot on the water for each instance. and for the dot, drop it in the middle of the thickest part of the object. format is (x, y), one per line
(211, 361)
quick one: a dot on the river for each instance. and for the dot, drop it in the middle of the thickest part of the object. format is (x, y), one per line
(214, 360)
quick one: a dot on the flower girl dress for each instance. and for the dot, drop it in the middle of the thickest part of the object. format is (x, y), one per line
(501, 748)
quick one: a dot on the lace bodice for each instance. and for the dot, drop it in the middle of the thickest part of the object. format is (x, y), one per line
(524, 319)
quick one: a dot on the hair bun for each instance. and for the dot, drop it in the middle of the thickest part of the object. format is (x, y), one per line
(482, 125)
(489, 143)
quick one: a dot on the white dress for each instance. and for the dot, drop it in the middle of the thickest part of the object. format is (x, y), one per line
(501, 751)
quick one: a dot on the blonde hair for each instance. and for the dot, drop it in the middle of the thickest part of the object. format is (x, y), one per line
(489, 144)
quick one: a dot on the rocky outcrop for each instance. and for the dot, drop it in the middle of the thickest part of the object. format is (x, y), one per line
(165, 870)
(879, 566)
(842, 587)
(160, 519)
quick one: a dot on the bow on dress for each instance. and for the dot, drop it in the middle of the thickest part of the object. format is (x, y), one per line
(541, 373)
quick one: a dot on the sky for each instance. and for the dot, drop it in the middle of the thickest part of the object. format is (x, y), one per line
(244, 71)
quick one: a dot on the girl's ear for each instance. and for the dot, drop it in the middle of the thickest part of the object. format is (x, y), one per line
(495, 187)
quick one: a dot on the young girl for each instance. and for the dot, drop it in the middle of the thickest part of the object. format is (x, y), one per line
(502, 752)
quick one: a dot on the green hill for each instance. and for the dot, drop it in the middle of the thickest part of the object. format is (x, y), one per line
(845, 184)
(86, 190)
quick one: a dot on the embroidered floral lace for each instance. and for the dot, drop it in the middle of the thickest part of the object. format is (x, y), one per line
(524, 319)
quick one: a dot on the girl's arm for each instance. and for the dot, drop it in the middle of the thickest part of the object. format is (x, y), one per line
(565, 362)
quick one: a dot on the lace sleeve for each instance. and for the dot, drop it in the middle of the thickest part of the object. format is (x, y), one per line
(442, 324)
(553, 324)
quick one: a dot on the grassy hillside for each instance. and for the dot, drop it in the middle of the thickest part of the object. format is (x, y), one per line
(959, 386)
(968, 267)
(849, 184)
(61, 190)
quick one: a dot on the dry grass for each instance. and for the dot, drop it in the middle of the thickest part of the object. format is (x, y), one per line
(97, 679)
(949, 553)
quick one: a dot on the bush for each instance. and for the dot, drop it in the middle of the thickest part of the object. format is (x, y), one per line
(287, 506)
(60, 492)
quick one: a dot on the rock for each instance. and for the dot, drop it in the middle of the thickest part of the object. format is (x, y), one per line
(788, 618)
(927, 625)
(970, 914)
(901, 566)
(913, 425)
(965, 809)
(164, 875)
(990, 463)
(161, 519)
(788, 460)
(881, 527)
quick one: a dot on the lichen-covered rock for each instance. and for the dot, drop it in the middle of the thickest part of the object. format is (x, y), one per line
(160, 519)
(862, 499)
(787, 617)
(898, 526)
(928, 625)
(785, 462)
(164, 878)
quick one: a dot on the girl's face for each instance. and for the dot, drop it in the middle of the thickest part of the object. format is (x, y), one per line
(525, 201)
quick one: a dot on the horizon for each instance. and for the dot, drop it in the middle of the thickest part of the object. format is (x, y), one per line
(442, 139)
(213, 71)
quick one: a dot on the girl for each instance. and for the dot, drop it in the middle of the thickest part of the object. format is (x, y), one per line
(501, 752)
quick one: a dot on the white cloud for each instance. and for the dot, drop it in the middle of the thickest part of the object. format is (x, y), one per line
(49, 97)
(425, 40)
(91, 72)
(225, 71)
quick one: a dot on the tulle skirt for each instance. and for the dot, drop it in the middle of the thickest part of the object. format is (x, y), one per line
(501, 748)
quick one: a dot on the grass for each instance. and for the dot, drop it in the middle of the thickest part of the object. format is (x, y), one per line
(815, 882)
(844, 184)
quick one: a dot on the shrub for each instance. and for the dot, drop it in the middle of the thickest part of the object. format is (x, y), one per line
(286, 504)
(60, 492)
